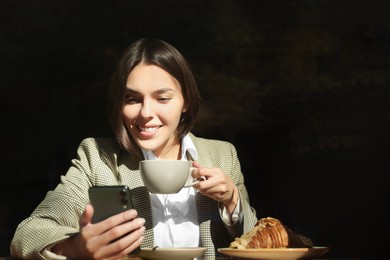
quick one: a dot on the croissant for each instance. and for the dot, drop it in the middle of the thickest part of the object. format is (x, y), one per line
(270, 233)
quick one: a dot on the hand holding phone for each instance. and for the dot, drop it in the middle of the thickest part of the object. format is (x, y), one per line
(108, 201)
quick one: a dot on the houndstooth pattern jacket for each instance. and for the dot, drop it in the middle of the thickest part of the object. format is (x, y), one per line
(101, 161)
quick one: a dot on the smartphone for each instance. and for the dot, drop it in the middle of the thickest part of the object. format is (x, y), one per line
(108, 201)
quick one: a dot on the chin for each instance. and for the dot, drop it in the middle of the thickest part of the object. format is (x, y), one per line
(147, 145)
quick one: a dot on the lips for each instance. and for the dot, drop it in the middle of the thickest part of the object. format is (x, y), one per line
(149, 129)
(147, 132)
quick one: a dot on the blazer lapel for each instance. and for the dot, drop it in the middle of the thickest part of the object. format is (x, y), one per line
(128, 165)
(204, 204)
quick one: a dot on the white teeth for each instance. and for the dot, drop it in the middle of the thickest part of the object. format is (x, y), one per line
(148, 129)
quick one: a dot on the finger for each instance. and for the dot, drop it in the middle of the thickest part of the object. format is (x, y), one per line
(86, 217)
(112, 242)
(207, 189)
(199, 175)
(115, 220)
(120, 218)
(124, 229)
(212, 186)
(197, 165)
(201, 171)
(126, 243)
(211, 179)
(196, 174)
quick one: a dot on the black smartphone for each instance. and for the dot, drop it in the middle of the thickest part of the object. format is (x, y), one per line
(108, 201)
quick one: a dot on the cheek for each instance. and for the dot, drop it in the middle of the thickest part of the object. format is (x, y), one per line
(170, 115)
(128, 114)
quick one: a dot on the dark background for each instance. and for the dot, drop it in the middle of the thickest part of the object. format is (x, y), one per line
(301, 88)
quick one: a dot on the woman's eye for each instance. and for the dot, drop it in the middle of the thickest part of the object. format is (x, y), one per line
(131, 100)
(163, 99)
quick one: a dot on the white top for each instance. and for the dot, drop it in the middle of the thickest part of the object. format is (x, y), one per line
(175, 216)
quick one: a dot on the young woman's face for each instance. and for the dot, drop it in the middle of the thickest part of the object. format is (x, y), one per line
(152, 110)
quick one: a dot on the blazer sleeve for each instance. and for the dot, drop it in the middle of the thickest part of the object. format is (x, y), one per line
(249, 218)
(57, 216)
(222, 154)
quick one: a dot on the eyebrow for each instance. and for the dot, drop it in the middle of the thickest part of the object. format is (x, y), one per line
(159, 91)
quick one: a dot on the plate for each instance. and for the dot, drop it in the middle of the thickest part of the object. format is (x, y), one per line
(275, 253)
(171, 253)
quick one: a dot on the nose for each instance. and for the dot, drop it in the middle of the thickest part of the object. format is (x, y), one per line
(147, 109)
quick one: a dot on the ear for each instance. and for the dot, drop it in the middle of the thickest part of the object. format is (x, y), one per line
(185, 108)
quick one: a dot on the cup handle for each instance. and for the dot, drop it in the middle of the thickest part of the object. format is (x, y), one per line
(202, 178)
(194, 182)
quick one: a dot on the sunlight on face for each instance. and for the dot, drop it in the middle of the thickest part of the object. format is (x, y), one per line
(153, 106)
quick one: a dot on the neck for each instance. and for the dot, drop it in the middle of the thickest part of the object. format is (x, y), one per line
(171, 151)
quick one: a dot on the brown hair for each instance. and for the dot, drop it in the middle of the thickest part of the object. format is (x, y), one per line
(162, 54)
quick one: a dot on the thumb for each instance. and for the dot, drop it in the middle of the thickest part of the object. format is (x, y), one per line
(86, 217)
(197, 173)
(196, 165)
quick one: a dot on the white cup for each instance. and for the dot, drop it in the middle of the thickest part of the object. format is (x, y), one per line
(166, 176)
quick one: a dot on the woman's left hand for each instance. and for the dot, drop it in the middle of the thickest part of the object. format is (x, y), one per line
(216, 185)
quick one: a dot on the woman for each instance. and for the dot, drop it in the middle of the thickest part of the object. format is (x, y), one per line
(153, 104)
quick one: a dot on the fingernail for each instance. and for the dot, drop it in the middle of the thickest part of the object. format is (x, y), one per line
(141, 221)
(142, 229)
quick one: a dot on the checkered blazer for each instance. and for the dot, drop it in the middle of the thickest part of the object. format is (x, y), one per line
(101, 161)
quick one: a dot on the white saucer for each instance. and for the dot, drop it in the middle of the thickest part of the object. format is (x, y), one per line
(275, 253)
(181, 253)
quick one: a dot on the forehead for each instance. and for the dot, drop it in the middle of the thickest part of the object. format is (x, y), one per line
(150, 76)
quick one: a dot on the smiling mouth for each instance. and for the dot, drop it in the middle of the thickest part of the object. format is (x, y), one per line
(149, 129)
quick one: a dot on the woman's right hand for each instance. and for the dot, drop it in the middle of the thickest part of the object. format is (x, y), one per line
(94, 240)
